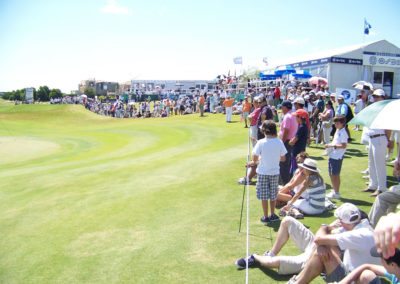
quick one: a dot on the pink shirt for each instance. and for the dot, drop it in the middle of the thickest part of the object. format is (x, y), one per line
(254, 116)
(289, 122)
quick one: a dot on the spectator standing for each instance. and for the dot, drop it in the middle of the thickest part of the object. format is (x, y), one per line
(267, 153)
(327, 120)
(336, 151)
(228, 103)
(201, 104)
(265, 114)
(358, 106)
(378, 141)
(277, 96)
(246, 107)
(299, 141)
(345, 110)
(253, 117)
(287, 131)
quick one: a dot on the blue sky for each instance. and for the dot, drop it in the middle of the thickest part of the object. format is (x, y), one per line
(59, 43)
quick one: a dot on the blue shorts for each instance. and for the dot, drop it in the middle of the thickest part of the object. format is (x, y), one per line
(267, 187)
(335, 166)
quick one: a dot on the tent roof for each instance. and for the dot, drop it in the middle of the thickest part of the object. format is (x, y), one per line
(353, 51)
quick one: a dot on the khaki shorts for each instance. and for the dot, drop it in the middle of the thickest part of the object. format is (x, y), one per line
(304, 240)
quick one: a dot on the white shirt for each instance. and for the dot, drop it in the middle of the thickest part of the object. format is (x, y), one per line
(270, 151)
(358, 105)
(340, 137)
(357, 244)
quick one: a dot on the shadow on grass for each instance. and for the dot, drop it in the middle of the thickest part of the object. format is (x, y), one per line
(274, 275)
(355, 152)
(357, 202)
(317, 158)
(274, 225)
(258, 236)
(391, 181)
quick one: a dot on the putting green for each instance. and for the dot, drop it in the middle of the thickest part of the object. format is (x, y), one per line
(92, 199)
(22, 149)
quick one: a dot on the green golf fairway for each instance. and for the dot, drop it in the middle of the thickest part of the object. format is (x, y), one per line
(92, 199)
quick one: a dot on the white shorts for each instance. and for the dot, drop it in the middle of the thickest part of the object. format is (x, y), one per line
(253, 132)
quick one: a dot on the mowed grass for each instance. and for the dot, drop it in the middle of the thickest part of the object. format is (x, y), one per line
(91, 199)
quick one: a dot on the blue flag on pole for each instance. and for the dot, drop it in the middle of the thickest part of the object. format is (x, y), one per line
(367, 26)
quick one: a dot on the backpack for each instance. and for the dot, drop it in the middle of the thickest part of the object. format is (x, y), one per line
(349, 115)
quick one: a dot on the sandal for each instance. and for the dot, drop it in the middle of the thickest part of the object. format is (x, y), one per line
(296, 214)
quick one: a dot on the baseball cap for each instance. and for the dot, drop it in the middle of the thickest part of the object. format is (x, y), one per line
(287, 104)
(299, 100)
(348, 213)
(379, 92)
(320, 93)
(340, 97)
(394, 258)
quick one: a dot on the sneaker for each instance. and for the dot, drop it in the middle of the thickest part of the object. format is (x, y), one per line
(333, 195)
(269, 253)
(265, 220)
(241, 262)
(274, 218)
(366, 172)
(365, 177)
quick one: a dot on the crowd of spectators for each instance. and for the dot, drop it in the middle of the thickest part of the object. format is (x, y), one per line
(348, 249)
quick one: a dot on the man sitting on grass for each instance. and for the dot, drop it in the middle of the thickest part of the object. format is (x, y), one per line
(355, 237)
(350, 232)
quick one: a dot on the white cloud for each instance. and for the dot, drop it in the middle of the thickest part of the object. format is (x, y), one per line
(112, 7)
(294, 42)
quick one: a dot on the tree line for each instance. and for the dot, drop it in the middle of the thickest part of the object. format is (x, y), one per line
(43, 94)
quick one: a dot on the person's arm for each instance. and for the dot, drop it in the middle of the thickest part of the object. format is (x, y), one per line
(296, 180)
(356, 273)
(293, 140)
(296, 196)
(388, 134)
(336, 146)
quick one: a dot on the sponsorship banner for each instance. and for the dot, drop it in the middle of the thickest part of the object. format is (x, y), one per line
(29, 94)
(381, 59)
(333, 59)
(348, 94)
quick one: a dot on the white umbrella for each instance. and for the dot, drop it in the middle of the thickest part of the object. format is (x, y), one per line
(380, 115)
(363, 85)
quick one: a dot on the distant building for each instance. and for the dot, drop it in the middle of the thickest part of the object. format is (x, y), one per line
(100, 88)
(178, 86)
(87, 84)
(107, 88)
